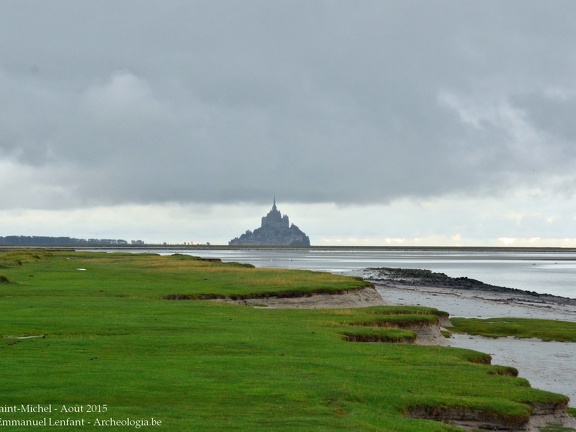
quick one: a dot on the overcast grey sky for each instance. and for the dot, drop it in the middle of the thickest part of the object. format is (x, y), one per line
(373, 122)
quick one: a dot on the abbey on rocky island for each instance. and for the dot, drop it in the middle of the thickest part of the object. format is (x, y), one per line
(274, 231)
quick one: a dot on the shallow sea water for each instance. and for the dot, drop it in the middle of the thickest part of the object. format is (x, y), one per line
(547, 365)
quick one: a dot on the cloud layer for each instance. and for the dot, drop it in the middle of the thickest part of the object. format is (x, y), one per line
(195, 102)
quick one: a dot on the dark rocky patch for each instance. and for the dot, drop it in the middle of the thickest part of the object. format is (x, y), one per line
(429, 278)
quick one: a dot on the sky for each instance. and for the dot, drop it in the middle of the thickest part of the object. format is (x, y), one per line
(376, 122)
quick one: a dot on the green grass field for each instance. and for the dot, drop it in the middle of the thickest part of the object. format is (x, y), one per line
(107, 337)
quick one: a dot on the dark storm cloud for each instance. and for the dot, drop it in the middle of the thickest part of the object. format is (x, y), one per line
(151, 101)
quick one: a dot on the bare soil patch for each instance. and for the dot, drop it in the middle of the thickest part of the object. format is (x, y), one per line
(364, 297)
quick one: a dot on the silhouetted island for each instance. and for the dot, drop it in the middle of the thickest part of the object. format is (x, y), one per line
(275, 231)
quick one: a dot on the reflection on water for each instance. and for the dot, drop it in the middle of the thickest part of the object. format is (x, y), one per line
(551, 272)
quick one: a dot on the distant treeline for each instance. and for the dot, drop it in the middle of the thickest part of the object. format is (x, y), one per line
(60, 241)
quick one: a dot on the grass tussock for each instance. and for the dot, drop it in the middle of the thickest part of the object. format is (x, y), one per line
(409, 310)
(487, 413)
(20, 257)
(503, 370)
(399, 321)
(546, 330)
(477, 357)
(379, 335)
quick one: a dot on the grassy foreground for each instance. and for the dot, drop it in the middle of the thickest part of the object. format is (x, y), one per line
(92, 331)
